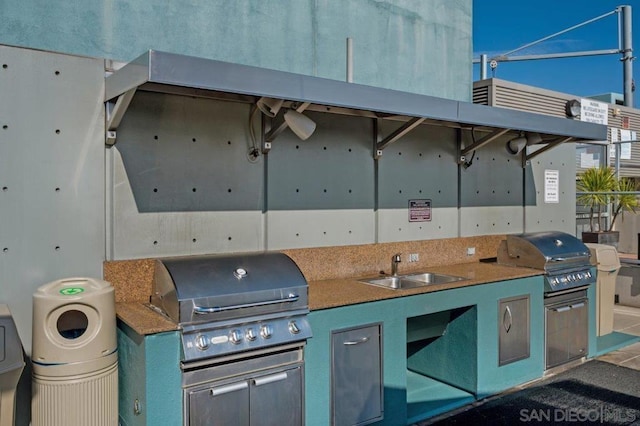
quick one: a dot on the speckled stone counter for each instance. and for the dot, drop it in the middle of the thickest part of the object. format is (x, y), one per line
(324, 294)
(341, 292)
(332, 273)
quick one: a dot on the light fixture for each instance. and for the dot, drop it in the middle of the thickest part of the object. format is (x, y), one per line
(300, 124)
(514, 146)
(269, 106)
(572, 108)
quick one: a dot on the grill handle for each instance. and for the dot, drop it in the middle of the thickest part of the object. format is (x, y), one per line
(201, 310)
(233, 387)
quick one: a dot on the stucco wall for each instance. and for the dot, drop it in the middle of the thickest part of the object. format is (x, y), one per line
(411, 45)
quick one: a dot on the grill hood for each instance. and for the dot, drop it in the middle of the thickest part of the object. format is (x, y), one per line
(549, 251)
(214, 288)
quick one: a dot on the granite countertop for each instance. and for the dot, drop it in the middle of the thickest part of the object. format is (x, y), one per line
(349, 291)
(332, 293)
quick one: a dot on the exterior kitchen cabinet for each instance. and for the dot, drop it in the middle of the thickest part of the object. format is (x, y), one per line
(513, 329)
(250, 401)
(356, 375)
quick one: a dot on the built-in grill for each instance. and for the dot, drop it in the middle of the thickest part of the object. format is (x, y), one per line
(243, 322)
(566, 263)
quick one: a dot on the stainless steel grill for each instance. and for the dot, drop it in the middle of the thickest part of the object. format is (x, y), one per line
(227, 304)
(566, 263)
(243, 321)
(563, 257)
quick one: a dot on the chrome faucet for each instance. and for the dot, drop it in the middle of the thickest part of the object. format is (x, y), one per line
(394, 264)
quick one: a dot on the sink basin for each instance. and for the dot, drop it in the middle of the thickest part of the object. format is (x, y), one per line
(431, 278)
(412, 281)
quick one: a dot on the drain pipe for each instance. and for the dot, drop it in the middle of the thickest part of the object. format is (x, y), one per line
(349, 60)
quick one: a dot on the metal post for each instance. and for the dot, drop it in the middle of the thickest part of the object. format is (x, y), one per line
(627, 55)
(483, 66)
(349, 60)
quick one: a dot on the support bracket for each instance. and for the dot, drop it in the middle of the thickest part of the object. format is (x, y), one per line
(527, 158)
(482, 142)
(403, 130)
(114, 111)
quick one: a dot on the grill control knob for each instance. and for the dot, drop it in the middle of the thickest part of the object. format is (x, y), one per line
(250, 334)
(266, 331)
(236, 337)
(201, 342)
(293, 327)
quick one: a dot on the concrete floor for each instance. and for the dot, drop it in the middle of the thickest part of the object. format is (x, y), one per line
(626, 320)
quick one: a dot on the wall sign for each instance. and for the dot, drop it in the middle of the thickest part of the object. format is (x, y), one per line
(551, 186)
(594, 112)
(419, 210)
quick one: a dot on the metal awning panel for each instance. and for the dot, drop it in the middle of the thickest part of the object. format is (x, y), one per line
(188, 74)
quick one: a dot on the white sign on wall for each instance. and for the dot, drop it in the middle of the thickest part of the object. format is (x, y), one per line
(551, 186)
(625, 148)
(614, 139)
(594, 112)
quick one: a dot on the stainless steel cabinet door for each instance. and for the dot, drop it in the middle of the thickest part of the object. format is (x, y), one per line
(513, 329)
(220, 405)
(356, 375)
(567, 332)
(276, 399)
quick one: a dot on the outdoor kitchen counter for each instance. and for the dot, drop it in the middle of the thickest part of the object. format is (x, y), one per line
(334, 293)
(349, 291)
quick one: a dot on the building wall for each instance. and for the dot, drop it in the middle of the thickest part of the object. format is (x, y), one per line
(506, 94)
(416, 46)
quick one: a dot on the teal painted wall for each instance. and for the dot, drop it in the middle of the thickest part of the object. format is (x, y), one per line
(416, 46)
(490, 377)
(149, 373)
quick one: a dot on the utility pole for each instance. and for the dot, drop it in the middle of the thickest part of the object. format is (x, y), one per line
(627, 55)
(625, 47)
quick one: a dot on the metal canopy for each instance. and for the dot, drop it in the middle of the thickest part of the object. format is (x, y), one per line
(192, 76)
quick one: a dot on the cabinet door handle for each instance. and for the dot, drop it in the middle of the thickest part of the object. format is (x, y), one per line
(577, 305)
(221, 390)
(562, 309)
(270, 379)
(507, 319)
(356, 342)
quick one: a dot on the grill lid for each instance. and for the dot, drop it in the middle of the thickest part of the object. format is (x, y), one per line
(213, 288)
(549, 251)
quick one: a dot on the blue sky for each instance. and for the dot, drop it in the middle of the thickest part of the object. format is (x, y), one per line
(500, 26)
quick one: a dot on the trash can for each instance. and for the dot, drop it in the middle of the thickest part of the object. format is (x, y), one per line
(74, 354)
(11, 366)
(605, 259)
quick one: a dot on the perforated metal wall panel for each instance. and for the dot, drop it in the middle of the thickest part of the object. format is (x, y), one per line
(419, 166)
(546, 216)
(133, 234)
(321, 191)
(490, 220)
(51, 174)
(189, 154)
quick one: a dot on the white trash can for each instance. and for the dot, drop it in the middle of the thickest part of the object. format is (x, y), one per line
(605, 258)
(74, 354)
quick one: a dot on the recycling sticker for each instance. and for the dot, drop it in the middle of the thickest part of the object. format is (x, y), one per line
(70, 291)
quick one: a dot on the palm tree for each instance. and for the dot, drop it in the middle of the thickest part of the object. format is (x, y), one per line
(592, 181)
(624, 202)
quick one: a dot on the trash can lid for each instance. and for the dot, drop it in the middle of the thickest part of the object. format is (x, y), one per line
(604, 256)
(73, 287)
(11, 357)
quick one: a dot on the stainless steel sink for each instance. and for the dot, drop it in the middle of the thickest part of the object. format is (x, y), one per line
(412, 281)
(431, 278)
